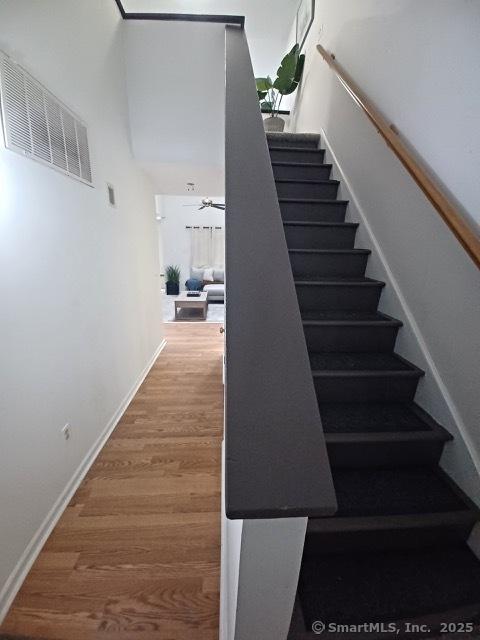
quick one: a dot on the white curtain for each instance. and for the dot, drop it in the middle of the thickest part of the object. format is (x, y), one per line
(207, 247)
(201, 243)
(218, 248)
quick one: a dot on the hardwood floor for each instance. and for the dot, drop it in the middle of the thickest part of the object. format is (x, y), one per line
(136, 555)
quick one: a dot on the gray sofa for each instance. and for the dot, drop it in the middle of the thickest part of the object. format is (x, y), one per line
(213, 280)
(215, 291)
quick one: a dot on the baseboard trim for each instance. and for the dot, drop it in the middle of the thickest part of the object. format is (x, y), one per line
(449, 402)
(18, 575)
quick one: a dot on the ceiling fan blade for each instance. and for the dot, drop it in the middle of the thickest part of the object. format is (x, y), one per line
(204, 206)
(221, 207)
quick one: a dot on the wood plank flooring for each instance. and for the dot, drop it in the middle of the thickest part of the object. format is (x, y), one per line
(136, 555)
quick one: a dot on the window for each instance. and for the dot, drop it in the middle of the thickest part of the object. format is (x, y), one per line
(36, 124)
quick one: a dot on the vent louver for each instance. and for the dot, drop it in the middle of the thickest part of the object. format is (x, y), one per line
(38, 125)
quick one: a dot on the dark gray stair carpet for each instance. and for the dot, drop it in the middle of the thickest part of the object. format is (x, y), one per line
(347, 316)
(384, 586)
(275, 145)
(337, 281)
(326, 201)
(316, 223)
(362, 417)
(295, 154)
(358, 362)
(331, 252)
(393, 491)
(290, 163)
(396, 548)
(296, 140)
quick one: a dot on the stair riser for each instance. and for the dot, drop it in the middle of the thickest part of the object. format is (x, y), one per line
(291, 141)
(307, 190)
(331, 264)
(285, 155)
(353, 388)
(375, 540)
(313, 212)
(338, 298)
(291, 172)
(384, 454)
(303, 237)
(350, 338)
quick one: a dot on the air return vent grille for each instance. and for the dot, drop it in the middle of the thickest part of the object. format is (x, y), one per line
(38, 125)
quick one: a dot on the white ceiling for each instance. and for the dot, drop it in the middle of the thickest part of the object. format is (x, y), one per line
(267, 23)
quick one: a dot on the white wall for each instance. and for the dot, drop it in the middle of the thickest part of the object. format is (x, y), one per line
(418, 61)
(267, 23)
(176, 90)
(81, 317)
(175, 237)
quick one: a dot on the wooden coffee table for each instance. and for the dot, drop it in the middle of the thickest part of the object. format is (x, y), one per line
(191, 308)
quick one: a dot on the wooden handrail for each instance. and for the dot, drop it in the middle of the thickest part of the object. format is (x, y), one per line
(464, 232)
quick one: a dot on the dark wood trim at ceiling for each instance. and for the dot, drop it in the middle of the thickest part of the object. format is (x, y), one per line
(120, 8)
(186, 17)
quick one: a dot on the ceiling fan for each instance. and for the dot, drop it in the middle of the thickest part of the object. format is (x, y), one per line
(207, 203)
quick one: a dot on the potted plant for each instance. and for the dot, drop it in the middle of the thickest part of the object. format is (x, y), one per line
(172, 274)
(270, 93)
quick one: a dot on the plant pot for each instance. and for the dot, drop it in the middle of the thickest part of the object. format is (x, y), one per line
(173, 288)
(274, 123)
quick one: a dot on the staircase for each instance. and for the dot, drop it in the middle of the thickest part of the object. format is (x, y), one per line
(396, 550)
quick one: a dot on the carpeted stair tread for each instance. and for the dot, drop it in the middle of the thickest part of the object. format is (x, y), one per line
(274, 146)
(351, 588)
(290, 163)
(319, 223)
(274, 137)
(363, 417)
(358, 362)
(347, 316)
(338, 281)
(307, 181)
(345, 252)
(315, 200)
(393, 491)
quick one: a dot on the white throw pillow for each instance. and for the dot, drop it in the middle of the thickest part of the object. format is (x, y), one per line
(208, 275)
(219, 275)
(197, 273)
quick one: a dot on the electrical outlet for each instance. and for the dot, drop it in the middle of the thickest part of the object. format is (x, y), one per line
(67, 431)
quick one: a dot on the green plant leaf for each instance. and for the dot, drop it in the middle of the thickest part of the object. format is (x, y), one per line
(299, 69)
(287, 70)
(295, 49)
(297, 77)
(172, 274)
(264, 84)
(262, 94)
